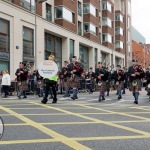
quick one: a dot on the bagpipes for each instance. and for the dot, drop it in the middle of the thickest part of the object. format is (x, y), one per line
(139, 72)
(120, 76)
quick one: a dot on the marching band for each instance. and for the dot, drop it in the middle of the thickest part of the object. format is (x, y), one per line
(72, 75)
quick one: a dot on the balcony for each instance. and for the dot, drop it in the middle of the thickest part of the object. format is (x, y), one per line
(48, 17)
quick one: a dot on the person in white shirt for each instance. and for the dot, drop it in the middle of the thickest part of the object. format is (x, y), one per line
(6, 82)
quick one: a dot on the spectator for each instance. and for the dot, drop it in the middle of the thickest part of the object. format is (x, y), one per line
(6, 82)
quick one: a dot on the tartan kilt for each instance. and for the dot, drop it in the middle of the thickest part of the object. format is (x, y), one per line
(22, 85)
(120, 86)
(40, 85)
(136, 88)
(102, 87)
(107, 84)
(66, 82)
(75, 82)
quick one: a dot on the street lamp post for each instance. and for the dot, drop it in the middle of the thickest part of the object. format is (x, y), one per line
(35, 58)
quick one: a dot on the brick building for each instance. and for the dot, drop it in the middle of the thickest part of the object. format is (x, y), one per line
(141, 52)
(93, 30)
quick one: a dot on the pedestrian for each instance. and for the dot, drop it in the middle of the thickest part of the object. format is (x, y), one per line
(6, 82)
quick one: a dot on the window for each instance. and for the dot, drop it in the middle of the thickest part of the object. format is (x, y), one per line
(79, 28)
(71, 49)
(4, 35)
(119, 44)
(129, 22)
(53, 45)
(28, 4)
(107, 38)
(48, 12)
(118, 17)
(61, 12)
(28, 41)
(129, 37)
(106, 22)
(88, 27)
(88, 8)
(119, 31)
(79, 9)
(106, 6)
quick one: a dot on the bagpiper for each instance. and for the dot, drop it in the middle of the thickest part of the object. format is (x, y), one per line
(135, 73)
(22, 76)
(101, 78)
(118, 75)
(148, 80)
(75, 69)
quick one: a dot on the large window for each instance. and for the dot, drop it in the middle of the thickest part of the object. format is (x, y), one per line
(119, 44)
(119, 30)
(79, 9)
(71, 49)
(62, 12)
(107, 38)
(118, 17)
(28, 42)
(106, 22)
(28, 4)
(48, 12)
(88, 27)
(84, 56)
(106, 6)
(79, 28)
(88, 8)
(53, 45)
(4, 35)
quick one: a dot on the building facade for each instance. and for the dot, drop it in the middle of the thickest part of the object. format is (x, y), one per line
(93, 30)
(141, 52)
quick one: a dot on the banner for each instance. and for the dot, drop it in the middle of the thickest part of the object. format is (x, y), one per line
(48, 69)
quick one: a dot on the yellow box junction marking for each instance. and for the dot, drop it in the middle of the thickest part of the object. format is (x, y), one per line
(73, 144)
(95, 120)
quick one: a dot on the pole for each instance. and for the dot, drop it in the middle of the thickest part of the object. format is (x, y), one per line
(35, 37)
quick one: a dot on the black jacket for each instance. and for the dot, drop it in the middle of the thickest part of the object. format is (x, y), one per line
(23, 76)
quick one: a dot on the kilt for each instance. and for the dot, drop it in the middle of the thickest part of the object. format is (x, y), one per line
(102, 87)
(107, 85)
(75, 82)
(136, 88)
(120, 86)
(22, 85)
(66, 82)
(39, 85)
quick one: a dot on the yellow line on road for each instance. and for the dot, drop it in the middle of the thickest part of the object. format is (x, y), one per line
(73, 144)
(141, 108)
(109, 111)
(72, 139)
(95, 120)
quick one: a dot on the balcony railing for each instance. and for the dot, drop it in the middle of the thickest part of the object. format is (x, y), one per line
(48, 17)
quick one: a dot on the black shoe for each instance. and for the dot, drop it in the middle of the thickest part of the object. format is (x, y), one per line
(44, 101)
(119, 97)
(99, 99)
(19, 96)
(39, 95)
(135, 102)
(51, 97)
(73, 97)
(103, 98)
(123, 92)
(54, 101)
(25, 97)
(76, 97)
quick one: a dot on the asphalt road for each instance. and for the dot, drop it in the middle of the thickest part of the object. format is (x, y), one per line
(82, 124)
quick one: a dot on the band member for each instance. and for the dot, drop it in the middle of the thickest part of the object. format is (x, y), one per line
(125, 80)
(39, 83)
(74, 72)
(91, 77)
(108, 74)
(51, 82)
(22, 76)
(119, 80)
(101, 79)
(148, 80)
(66, 82)
(136, 73)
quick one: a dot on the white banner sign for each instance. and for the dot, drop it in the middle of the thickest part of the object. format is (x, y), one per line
(48, 69)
